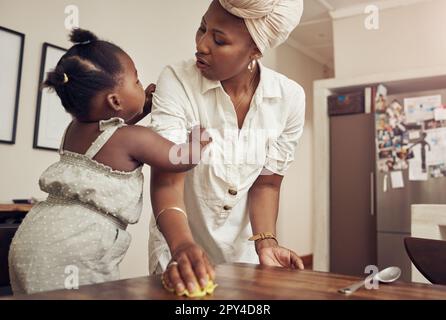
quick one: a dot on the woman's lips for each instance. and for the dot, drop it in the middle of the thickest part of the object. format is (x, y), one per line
(201, 64)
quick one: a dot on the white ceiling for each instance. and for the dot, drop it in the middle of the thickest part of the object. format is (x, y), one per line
(314, 35)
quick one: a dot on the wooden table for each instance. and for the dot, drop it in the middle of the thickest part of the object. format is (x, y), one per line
(15, 207)
(252, 282)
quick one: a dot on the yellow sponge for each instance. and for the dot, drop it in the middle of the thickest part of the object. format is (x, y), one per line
(209, 289)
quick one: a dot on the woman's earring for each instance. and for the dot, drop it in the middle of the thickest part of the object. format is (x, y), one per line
(252, 65)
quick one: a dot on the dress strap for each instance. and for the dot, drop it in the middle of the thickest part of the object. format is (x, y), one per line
(108, 127)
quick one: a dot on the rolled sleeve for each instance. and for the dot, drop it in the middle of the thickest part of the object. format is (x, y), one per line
(281, 150)
(168, 117)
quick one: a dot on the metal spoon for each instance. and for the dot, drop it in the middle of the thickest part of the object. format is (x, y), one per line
(387, 275)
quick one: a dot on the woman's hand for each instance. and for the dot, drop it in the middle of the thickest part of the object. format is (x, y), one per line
(188, 269)
(271, 254)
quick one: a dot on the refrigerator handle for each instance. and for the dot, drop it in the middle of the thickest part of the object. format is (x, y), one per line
(372, 193)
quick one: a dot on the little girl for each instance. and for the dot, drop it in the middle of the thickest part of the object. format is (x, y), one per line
(77, 235)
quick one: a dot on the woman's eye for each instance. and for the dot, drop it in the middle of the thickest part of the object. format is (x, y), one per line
(219, 42)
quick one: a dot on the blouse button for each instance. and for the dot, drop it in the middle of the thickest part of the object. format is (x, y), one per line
(227, 208)
(232, 192)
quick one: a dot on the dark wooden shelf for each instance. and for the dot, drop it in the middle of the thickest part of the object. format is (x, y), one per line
(15, 207)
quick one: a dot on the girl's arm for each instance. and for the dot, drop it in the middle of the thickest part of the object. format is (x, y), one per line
(146, 146)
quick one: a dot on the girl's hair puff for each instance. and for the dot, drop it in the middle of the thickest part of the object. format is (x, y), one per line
(87, 68)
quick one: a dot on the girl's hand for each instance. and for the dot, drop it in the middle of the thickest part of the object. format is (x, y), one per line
(199, 138)
(188, 269)
(149, 94)
(199, 135)
(147, 106)
(271, 254)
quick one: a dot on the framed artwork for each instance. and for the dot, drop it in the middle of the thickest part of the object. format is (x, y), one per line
(11, 59)
(51, 117)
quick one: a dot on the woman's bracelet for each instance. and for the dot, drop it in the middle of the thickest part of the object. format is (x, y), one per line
(164, 210)
(263, 236)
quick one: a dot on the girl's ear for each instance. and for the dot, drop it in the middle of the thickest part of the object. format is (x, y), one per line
(114, 101)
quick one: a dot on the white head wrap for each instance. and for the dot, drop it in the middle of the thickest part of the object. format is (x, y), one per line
(269, 22)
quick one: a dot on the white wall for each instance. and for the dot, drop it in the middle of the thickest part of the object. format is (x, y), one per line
(154, 33)
(409, 37)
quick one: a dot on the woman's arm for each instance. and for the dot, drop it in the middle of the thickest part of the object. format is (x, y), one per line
(264, 193)
(263, 200)
(264, 205)
(171, 117)
(167, 190)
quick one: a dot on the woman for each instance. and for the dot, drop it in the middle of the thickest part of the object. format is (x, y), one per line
(250, 111)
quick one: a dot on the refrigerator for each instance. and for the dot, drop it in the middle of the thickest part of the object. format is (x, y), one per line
(393, 206)
(368, 219)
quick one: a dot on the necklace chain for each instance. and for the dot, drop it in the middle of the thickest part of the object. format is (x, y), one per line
(237, 104)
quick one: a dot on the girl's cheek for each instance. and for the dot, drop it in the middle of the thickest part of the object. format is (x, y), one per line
(143, 96)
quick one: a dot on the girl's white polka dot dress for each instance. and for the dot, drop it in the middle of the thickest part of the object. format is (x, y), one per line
(77, 235)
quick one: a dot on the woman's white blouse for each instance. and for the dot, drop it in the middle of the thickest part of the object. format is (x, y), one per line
(216, 191)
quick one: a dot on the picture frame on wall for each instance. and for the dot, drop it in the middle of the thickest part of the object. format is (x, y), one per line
(11, 61)
(51, 117)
